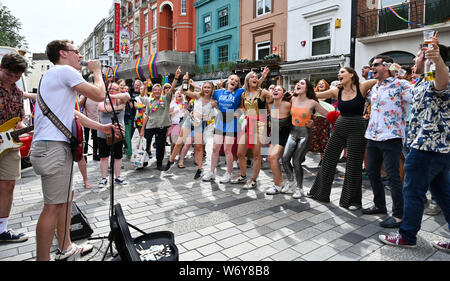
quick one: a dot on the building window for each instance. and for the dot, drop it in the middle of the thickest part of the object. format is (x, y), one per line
(321, 39)
(183, 7)
(223, 53)
(146, 22)
(223, 17)
(154, 43)
(263, 7)
(155, 15)
(206, 56)
(262, 50)
(207, 24)
(145, 50)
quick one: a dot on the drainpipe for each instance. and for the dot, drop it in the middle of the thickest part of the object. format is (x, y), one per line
(353, 33)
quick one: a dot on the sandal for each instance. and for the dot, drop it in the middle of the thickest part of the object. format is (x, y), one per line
(87, 185)
(181, 166)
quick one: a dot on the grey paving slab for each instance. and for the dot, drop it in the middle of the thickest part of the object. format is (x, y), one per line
(214, 221)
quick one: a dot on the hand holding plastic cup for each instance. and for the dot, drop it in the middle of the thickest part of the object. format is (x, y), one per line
(428, 37)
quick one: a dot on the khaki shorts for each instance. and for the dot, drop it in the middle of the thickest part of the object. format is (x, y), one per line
(10, 165)
(52, 160)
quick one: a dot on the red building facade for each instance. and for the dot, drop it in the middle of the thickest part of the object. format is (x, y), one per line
(159, 25)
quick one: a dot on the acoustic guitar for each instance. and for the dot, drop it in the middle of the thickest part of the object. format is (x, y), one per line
(78, 146)
(10, 135)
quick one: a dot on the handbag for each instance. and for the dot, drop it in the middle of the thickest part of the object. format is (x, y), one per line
(139, 155)
(109, 141)
(76, 141)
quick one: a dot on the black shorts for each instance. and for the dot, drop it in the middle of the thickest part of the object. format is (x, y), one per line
(105, 150)
(282, 136)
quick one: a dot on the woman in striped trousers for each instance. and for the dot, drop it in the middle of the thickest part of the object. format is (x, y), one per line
(349, 132)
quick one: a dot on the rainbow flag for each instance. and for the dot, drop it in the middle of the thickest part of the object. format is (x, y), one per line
(77, 105)
(152, 66)
(138, 68)
(116, 68)
(107, 72)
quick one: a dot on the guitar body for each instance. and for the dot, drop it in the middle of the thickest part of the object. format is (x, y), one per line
(10, 136)
(77, 132)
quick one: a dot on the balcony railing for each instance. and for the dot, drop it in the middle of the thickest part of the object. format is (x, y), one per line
(421, 12)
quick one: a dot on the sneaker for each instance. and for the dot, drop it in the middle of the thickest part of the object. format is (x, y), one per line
(432, 209)
(73, 253)
(11, 237)
(250, 185)
(442, 245)
(395, 239)
(299, 193)
(208, 176)
(273, 190)
(198, 174)
(235, 165)
(120, 180)
(286, 187)
(240, 179)
(102, 183)
(169, 164)
(225, 178)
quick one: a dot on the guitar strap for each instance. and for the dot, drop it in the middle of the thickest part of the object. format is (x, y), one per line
(55, 120)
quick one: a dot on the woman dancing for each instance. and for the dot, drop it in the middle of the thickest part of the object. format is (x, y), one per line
(254, 104)
(304, 104)
(348, 132)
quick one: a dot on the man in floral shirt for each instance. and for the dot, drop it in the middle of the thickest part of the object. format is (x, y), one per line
(389, 100)
(427, 165)
(11, 105)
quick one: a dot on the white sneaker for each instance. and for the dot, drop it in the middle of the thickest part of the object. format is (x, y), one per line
(250, 185)
(208, 176)
(299, 193)
(239, 179)
(73, 253)
(273, 190)
(102, 183)
(286, 187)
(235, 165)
(226, 178)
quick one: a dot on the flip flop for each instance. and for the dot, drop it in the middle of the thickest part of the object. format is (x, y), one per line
(181, 166)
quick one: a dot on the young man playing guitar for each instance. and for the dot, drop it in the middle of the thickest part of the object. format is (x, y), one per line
(51, 154)
(11, 106)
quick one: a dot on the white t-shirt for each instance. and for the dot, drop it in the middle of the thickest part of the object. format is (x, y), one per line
(177, 113)
(58, 93)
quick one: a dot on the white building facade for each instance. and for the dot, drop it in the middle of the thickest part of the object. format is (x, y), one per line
(318, 40)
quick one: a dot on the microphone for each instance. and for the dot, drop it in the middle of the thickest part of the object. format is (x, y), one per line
(85, 63)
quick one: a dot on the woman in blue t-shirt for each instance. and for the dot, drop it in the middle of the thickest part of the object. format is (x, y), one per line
(226, 127)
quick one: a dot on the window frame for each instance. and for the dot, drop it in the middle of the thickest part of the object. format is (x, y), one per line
(218, 53)
(220, 18)
(204, 23)
(256, 14)
(209, 56)
(183, 6)
(262, 48)
(329, 37)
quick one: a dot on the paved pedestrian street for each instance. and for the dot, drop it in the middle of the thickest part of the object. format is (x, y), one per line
(223, 222)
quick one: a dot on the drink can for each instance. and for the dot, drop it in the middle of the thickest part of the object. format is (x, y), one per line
(370, 74)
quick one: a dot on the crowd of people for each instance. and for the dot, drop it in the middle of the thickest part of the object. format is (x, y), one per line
(376, 121)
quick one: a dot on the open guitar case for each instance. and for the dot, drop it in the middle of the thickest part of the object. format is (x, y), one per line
(155, 246)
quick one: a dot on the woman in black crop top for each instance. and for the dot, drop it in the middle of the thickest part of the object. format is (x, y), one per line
(349, 132)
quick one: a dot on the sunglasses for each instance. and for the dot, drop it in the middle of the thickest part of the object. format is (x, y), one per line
(377, 64)
(75, 51)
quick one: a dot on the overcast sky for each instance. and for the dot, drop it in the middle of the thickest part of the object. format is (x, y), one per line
(47, 20)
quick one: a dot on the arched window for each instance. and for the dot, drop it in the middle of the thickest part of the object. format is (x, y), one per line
(400, 57)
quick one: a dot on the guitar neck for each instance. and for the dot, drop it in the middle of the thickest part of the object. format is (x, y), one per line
(19, 132)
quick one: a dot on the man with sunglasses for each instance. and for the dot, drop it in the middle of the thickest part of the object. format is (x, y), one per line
(51, 154)
(389, 100)
(12, 67)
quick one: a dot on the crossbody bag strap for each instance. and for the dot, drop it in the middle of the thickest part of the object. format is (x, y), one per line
(52, 117)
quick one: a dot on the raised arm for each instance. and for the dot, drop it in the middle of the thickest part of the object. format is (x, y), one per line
(174, 82)
(322, 111)
(366, 86)
(263, 76)
(328, 94)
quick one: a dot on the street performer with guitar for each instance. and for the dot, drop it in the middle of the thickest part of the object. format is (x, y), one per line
(12, 112)
(51, 150)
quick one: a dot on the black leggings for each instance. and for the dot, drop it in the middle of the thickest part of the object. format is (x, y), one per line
(160, 135)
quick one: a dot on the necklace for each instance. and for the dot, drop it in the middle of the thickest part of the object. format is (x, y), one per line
(153, 107)
(180, 105)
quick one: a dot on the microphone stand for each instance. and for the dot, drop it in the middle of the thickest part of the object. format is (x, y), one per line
(113, 224)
